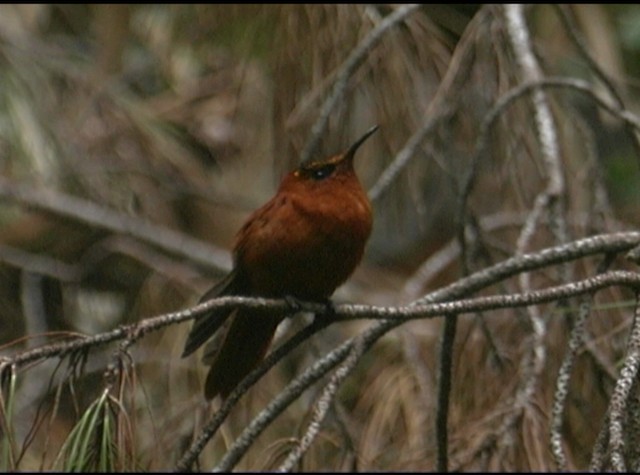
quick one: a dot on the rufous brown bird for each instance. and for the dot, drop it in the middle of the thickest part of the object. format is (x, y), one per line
(302, 244)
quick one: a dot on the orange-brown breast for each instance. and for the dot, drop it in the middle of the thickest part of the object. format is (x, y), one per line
(307, 240)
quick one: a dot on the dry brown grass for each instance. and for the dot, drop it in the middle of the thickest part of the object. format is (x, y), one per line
(187, 116)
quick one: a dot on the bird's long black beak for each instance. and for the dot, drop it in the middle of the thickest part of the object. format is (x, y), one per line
(352, 150)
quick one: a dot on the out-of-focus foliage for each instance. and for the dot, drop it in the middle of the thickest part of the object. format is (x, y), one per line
(187, 116)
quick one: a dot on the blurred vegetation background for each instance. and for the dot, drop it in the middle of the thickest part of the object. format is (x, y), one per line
(187, 116)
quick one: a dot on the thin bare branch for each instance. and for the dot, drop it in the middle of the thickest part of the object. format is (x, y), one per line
(618, 418)
(562, 384)
(603, 243)
(321, 408)
(576, 340)
(38, 264)
(396, 315)
(445, 371)
(403, 157)
(571, 28)
(440, 108)
(106, 218)
(577, 85)
(280, 403)
(391, 319)
(521, 42)
(357, 56)
(391, 316)
(599, 451)
(189, 457)
(550, 200)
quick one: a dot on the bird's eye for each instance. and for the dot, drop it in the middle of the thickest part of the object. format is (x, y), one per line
(322, 172)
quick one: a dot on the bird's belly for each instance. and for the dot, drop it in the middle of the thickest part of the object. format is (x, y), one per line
(311, 272)
(309, 250)
(305, 256)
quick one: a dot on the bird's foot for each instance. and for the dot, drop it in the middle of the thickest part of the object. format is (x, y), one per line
(327, 315)
(329, 309)
(297, 305)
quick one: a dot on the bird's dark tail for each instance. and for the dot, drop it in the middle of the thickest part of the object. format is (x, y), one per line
(244, 344)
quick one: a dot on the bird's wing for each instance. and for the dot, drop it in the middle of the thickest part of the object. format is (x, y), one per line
(207, 324)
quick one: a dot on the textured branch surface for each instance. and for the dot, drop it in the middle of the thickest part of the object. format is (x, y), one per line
(395, 315)
(105, 218)
(391, 316)
(502, 245)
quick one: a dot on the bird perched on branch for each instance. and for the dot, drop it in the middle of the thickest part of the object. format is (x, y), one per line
(302, 244)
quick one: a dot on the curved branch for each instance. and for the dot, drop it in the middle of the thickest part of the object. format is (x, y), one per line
(571, 28)
(440, 108)
(103, 217)
(322, 407)
(424, 307)
(190, 456)
(433, 305)
(619, 419)
(354, 60)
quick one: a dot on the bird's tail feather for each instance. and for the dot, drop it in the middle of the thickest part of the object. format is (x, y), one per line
(207, 324)
(245, 343)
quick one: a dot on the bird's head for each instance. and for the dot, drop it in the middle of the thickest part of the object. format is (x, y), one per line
(316, 171)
